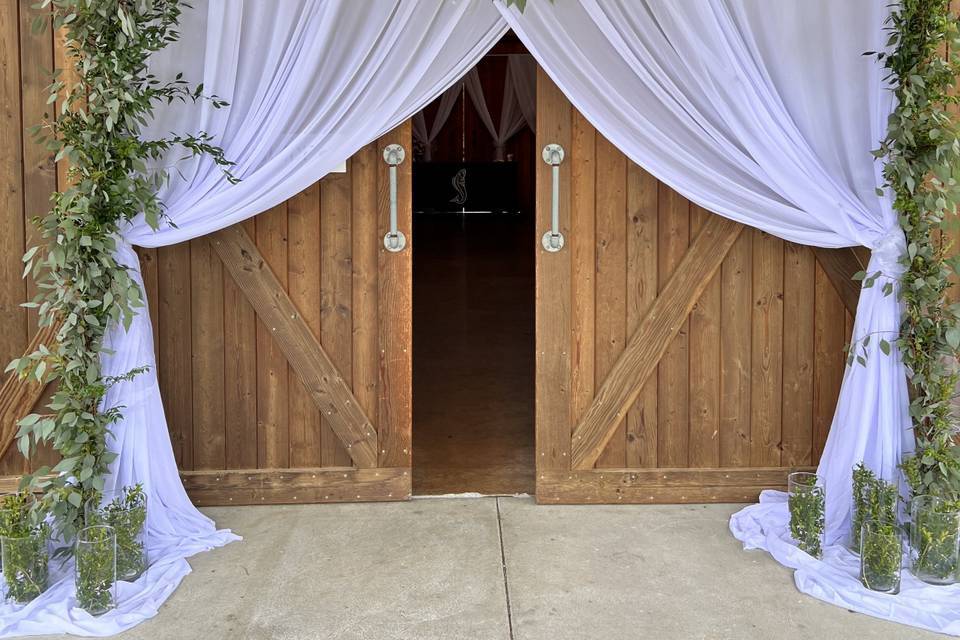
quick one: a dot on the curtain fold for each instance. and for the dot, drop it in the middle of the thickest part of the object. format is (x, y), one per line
(513, 115)
(426, 135)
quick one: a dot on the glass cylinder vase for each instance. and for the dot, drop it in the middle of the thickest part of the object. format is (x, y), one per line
(881, 555)
(25, 564)
(806, 502)
(934, 540)
(96, 569)
(126, 512)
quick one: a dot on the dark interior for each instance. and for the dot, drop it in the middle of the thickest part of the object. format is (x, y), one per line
(473, 301)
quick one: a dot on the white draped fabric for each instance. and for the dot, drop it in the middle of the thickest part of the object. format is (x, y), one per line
(768, 118)
(513, 115)
(309, 82)
(426, 135)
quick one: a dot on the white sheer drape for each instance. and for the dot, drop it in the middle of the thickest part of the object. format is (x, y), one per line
(426, 135)
(513, 115)
(309, 82)
(766, 117)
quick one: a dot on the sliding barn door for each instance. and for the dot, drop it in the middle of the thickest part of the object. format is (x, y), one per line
(284, 345)
(681, 357)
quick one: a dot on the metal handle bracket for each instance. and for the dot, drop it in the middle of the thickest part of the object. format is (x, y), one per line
(394, 240)
(552, 240)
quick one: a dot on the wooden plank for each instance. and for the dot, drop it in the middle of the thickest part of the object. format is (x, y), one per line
(363, 183)
(799, 301)
(240, 372)
(704, 446)
(174, 362)
(657, 486)
(673, 384)
(642, 287)
(19, 397)
(295, 486)
(766, 402)
(828, 358)
(611, 280)
(735, 353)
(553, 290)
(206, 302)
(150, 274)
(299, 345)
(304, 273)
(649, 343)
(395, 303)
(39, 172)
(273, 430)
(13, 318)
(582, 245)
(840, 265)
(336, 295)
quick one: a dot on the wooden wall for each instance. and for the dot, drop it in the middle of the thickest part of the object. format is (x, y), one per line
(28, 178)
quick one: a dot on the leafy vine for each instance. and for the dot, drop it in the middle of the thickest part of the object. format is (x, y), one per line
(97, 130)
(921, 151)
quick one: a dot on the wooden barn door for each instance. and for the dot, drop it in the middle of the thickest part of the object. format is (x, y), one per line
(284, 345)
(681, 357)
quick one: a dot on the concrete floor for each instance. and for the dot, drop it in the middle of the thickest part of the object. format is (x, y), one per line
(493, 569)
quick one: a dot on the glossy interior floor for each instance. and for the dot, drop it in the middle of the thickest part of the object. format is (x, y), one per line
(473, 354)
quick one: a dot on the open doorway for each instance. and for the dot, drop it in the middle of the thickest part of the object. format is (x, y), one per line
(473, 281)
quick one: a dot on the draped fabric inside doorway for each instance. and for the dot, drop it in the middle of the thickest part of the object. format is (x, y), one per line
(766, 117)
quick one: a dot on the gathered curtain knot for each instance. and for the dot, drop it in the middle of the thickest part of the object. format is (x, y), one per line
(886, 252)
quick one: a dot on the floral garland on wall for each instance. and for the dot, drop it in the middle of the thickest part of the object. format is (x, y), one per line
(921, 151)
(81, 285)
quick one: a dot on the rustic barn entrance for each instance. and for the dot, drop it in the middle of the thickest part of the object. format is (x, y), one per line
(679, 357)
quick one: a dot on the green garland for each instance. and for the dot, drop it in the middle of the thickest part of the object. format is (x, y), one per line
(922, 154)
(97, 130)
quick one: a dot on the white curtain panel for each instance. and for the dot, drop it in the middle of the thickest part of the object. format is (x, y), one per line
(309, 82)
(767, 117)
(426, 135)
(511, 116)
(522, 73)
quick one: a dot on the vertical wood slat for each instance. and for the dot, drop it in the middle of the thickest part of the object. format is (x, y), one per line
(336, 297)
(642, 287)
(553, 303)
(174, 360)
(363, 174)
(395, 303)
(13, 318)
(799, 302)
(767, 348)
(735, 353)
(273, 433)
(673, 408)
(705, 366)
(829, 357)
(206, 302)
(304, 272)
(240, 372)
(611, 278)
(582, 245)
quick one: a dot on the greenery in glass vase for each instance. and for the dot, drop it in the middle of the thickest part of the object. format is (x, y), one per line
(127, 514)
(96, 569)
(881, 553)
(25, 550)
(114, 174)
(807, 517)
(874, 499)
(921, 153)
(935, 546)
